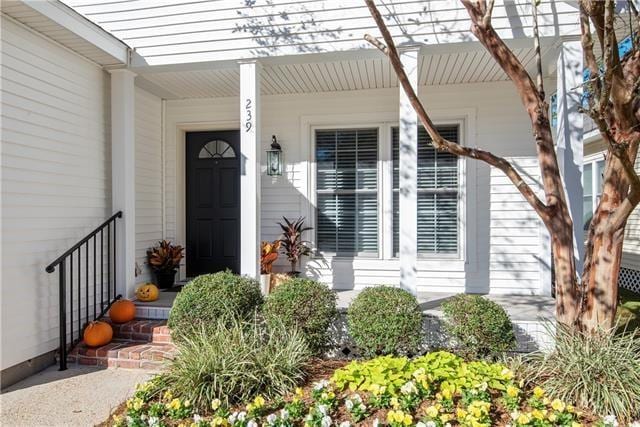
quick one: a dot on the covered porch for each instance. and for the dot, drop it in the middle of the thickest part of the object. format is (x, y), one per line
(499, 247)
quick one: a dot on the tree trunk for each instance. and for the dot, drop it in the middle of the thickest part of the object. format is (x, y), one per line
(600, 278)
(567, 292)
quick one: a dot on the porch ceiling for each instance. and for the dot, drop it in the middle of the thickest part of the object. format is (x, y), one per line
(345, 74)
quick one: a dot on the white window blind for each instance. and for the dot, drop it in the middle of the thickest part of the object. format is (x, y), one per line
(437, 194)
(347, 186)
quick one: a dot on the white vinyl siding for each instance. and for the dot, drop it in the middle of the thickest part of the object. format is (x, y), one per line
(56, 178)
(438, 195)
(346, 186)
(148, 109)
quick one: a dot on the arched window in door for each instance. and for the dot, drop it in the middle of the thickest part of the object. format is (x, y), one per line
(217, 149)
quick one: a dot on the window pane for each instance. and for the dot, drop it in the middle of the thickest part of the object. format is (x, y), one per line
(587, 210)
(587, 181)
(437, 194)
(216, 149)
(599, 176)
(347, 180)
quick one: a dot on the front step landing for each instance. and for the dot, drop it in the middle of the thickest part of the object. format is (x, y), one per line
(139, 344)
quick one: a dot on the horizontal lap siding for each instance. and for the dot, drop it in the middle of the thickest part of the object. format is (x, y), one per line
(631, 248)
(499, 211)
(148, 177)
(515, 243)
(55, 178)
(232, 29)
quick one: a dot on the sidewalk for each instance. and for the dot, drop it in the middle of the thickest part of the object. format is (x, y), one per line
(79, 396)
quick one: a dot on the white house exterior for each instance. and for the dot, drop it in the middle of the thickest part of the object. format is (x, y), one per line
(100, 101)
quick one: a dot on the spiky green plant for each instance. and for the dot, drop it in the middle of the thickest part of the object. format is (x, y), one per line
(235, 362)
(599, 371)
(293, 245)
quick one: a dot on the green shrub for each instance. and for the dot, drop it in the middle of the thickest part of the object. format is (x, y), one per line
(304, 304)
(235, 362)
(480, 327)
(600, 371)
(385, 320)
(210, 297)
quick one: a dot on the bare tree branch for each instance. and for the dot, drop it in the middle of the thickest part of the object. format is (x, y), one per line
(536, 45)
(377, 43)
(590, 59)
(438, 141)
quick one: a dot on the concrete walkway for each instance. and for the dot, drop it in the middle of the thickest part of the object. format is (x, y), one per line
(79, 396)
(518, 307)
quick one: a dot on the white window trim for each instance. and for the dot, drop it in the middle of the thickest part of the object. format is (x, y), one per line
(593, 159)
(313, 165)
(465, 117)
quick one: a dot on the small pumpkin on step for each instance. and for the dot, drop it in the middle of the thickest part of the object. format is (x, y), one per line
(97, 334)
(122, 311)
(147, 292)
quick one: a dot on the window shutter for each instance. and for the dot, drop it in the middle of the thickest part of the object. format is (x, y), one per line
(437, 194)
(347, 181)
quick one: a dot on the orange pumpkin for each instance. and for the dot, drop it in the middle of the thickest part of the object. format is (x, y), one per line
(147, 292)
(97, 334)
(122, 311)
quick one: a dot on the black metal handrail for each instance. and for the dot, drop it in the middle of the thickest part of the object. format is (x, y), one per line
(101, 302)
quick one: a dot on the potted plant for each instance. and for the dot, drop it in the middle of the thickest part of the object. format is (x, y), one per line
(164, 260)
(292, 243)
(268, 255)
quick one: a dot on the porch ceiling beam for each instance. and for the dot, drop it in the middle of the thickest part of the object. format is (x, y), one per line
(139, 66)
(82, 27)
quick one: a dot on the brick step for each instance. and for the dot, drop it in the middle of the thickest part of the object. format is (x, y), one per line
(141, 343)
(146, 330)
(123, 354)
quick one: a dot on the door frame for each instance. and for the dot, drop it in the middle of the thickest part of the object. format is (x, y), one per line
(181, 175)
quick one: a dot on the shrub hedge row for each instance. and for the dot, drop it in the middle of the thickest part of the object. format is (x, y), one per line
(381, 320)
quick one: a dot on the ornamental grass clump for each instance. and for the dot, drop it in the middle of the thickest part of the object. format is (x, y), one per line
(600, 370)
(480, 327)
(306, 305)
(385, 320)
(211, 297)
(235, 362)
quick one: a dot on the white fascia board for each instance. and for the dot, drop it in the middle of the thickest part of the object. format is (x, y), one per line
(83, 28)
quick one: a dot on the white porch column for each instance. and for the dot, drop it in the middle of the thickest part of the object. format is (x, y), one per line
(123, 197)
(250, 168)
(408, 158)
(569, 136)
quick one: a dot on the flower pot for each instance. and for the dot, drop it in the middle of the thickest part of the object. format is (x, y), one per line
(166, 279)
(277, 279)
(265, 283)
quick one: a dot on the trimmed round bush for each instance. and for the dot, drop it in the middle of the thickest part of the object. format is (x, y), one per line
(481, 328)
(306, 305)
(210, 297)
(385, 320)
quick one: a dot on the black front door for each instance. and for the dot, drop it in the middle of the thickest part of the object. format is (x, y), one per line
(213, 202)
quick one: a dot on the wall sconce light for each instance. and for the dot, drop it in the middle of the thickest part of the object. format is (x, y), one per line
(274, 158)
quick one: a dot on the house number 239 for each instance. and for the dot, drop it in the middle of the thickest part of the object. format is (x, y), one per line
(248, 124)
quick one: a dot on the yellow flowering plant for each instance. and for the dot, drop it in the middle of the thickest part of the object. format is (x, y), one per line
(398, 418)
